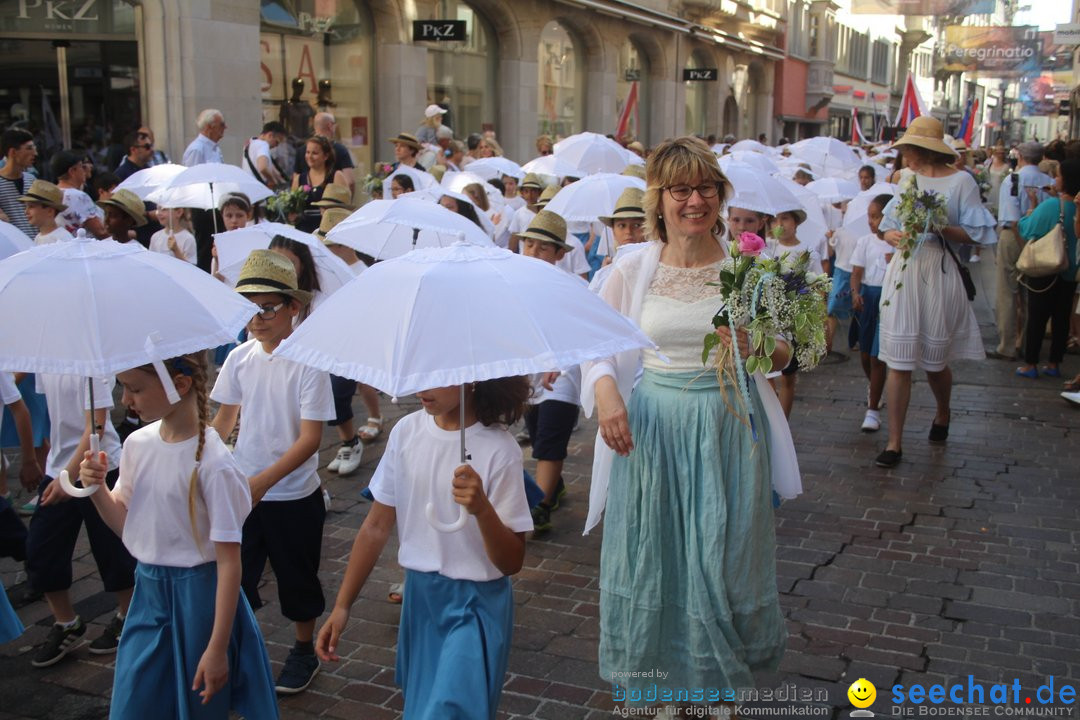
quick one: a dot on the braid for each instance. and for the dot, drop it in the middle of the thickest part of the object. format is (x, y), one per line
(197, 361)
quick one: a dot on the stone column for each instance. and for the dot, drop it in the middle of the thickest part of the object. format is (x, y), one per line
(517, 100)
(401, 82)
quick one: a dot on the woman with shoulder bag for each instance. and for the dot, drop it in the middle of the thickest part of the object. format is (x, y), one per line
(1050, 298)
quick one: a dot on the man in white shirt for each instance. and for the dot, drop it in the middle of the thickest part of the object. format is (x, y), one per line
(257, 158)
(204, 148)
(1008, 302)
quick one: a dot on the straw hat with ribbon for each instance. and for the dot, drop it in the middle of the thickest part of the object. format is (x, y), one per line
(335, 196)
(926, 132)
(545, 197)
(627, 207)
(637, 171)
(266, 271)
(406, 139)
(45, 193)
(130, 203)
(548, 227)
(531, 180)
(330, 218)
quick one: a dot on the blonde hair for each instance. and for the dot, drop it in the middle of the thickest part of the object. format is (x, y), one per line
(183, 223)
(479, 197)
(676, 162)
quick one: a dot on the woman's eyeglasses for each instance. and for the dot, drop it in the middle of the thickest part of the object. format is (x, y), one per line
(269, 312)
(683, 192)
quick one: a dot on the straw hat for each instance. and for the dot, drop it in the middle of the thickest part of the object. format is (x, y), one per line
(45, 193)
(545, 197)
(330, 218)
(130, 203)
(636, 147)
(548, 227)
(926, 132)
(637, 171)
(531, 180)
(627, 207)
(406, 139)
(335, 196)
(266, 271)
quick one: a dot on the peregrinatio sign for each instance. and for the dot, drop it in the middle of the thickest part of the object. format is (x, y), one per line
(991, 51)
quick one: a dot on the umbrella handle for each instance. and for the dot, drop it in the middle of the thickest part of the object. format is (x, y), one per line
(65, 481)
(434, 521)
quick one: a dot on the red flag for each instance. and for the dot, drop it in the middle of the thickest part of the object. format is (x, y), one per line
(630, 106)
(857, 137)
(970, 130)
(911, 104)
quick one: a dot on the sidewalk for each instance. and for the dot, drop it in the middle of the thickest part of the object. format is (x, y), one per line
(962, 560)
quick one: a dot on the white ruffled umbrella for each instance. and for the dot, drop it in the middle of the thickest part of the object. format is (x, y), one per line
(591, 152)
(827, 155)
(146, 181)
(12, 240)
(833, 190)
(455, 315)
(552, 168)
(421, 179)
(234, 246)
(855, 222)
(96, 307)
(754, 190)
(750, 146)
(496, 167)
(389, 228)
(592, 196)
(813, 229)
(755, 160)
(203, 186)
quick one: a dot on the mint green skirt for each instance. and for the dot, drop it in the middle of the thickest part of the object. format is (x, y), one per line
(688, 562)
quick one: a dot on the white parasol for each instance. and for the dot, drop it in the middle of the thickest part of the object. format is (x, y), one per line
(203, 186)
(592, 196)
(388, 228)
(12, 240)
(146, 181)
(591, 152)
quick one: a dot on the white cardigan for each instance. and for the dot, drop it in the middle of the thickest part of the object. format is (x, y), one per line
(625, 290)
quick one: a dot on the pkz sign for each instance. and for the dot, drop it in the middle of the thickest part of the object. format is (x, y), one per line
(438, 30)
(700, 74)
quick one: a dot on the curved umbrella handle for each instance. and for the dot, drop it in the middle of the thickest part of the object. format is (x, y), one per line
(65, 481)
(434, 521)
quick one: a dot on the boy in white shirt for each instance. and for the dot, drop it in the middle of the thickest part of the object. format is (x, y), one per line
(12, 531)
(284, 405)
(44, 201)
(553, 410)
(529, 191)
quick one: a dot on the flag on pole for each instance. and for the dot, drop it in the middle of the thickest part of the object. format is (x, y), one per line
(965, 123)
(857, 137)
(629, 109)
(969, 131)
(911, 104)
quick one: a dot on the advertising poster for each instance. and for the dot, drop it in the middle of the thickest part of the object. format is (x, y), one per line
(1002, 51)
(922, 7)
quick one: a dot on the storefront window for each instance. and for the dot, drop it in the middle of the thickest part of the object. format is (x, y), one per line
(696, 96)
(316, 57)
(461, 75)
(560, 81)
(631, 88)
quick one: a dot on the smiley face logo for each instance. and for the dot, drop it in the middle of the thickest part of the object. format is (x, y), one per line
(862, 693)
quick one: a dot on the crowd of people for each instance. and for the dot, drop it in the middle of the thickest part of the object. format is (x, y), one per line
(196, 503)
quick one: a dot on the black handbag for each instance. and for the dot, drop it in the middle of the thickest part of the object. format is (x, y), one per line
(965, 274)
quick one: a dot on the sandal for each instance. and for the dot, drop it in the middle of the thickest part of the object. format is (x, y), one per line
(1073, 385)
(396, 594)
(371, 430)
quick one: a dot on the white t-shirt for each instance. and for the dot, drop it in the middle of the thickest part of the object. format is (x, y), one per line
(257, 148)
(573, 260)
(566, 387)
(60, 234)
(777, 250)
(520, 222)
(67, 400)
(418, 467)
(80, 208)
(515, 203)
(274, 395)
(9, 392)
(870, 254)
(159, 242)
(843, 244)
(154, 482)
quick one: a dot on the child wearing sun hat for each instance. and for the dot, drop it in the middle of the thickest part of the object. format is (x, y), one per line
(44, 202)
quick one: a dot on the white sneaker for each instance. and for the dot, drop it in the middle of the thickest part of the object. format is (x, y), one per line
(974, 259)
(348, 458)
(871, 421)
(326, 499)
(343, 452)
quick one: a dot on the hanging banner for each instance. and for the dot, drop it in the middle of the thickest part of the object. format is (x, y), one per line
(1003, 51)
(922, 7)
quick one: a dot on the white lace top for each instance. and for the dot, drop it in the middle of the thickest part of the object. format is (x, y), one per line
(677, 313)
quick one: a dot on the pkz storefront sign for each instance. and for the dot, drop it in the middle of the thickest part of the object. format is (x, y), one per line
(438, 30)
(67, 16)
(700, 74)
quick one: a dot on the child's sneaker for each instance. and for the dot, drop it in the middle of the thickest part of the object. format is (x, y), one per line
(107, 642)
(348, 457)
(560, 493)
(300, 669)
(871, 421)
(541, 515)
(30, 507)
(59, 643)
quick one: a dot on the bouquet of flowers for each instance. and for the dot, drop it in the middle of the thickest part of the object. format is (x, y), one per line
(767, 297)
(982, 179)
(288, 203)
(373, 181)
(921, 214)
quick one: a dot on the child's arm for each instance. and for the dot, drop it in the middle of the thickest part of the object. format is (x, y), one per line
(856, 287)
(30, 473)
(505, 548)
(305, 446)
(92, 471)
(368, 545)
(213, 669)
(54, 493)
(225, 420)
(174, 247)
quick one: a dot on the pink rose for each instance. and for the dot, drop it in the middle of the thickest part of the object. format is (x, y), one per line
(307, 188)
(750, 244)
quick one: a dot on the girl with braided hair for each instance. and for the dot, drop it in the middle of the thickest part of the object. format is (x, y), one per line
(191, 647)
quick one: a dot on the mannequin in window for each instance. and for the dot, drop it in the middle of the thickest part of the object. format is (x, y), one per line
(296, 114)
(325, 100)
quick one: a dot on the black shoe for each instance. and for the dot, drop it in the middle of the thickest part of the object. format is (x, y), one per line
(889, 458)
(109, 639)
(300, 669)
(939, 433)
(59, 643)
(541, 515)
(560, 493)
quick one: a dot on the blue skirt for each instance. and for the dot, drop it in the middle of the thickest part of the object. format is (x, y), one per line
(10, 626)
(39, 416)
(688, 561)
(165, 634)
(453, 645)
(839, 305)
(868, 319)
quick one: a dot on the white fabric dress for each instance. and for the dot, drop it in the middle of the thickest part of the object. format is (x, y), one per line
(928, 322)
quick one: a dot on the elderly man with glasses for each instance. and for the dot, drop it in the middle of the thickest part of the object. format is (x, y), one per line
(204, 148)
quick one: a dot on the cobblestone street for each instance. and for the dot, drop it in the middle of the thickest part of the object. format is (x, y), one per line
(962, 561)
